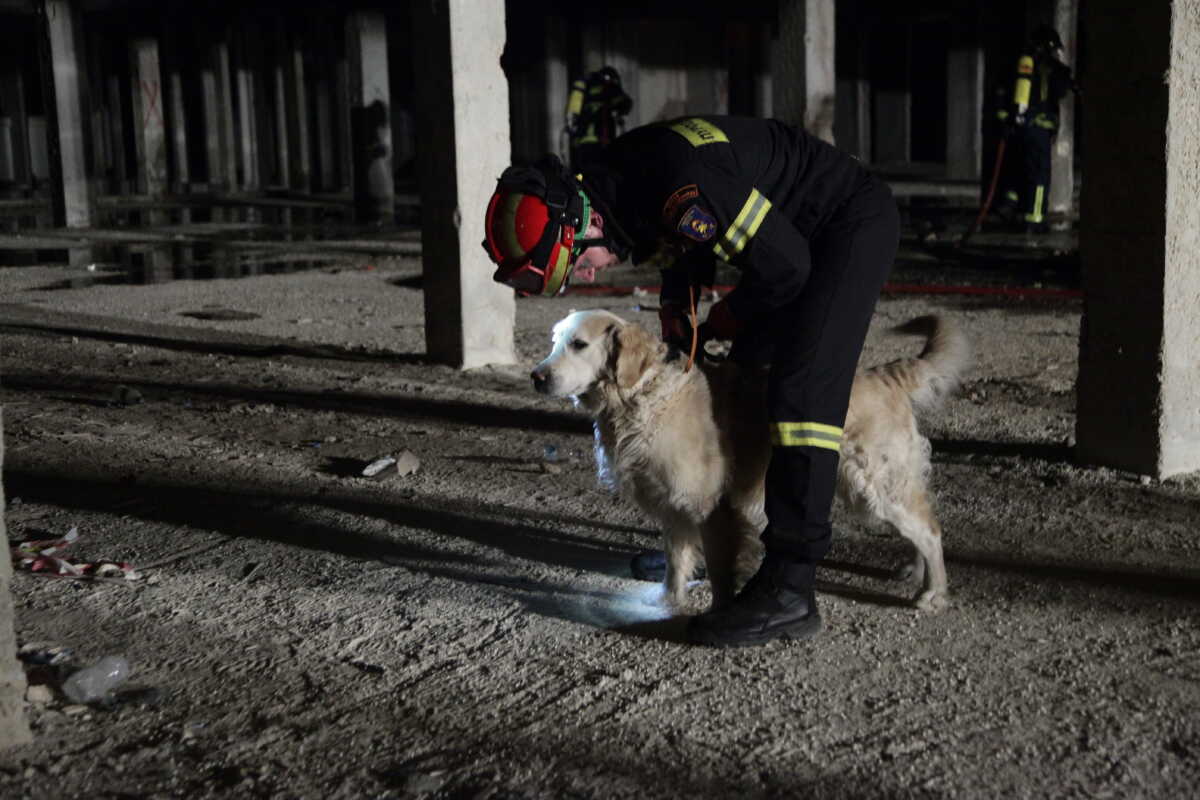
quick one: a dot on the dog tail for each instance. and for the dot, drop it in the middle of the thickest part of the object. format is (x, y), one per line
(934, 374)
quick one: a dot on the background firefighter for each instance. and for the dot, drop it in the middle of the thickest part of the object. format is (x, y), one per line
(1028, 119)
(596, 108)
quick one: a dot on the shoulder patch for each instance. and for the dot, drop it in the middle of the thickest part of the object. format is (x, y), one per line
(683, 194)
(697, 224)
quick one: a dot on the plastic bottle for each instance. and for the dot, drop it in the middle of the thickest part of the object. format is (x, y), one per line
(95, 682)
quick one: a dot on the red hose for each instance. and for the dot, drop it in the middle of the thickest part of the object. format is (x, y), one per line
(888, 288)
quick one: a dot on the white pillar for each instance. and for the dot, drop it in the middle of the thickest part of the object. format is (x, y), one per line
(66, 53)
(14, 730)
(1062, 157)
(804, 83)
(463, 138)
(1139, 360)
(557, 84)
(149, 126)
(371, 116)
(964, 107)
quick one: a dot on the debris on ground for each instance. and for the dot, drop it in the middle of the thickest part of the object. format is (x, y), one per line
(44, 653)
(407, 463)
(379, 467)
(96, 682)
(404, 464)
(125, 396)
(43, 557)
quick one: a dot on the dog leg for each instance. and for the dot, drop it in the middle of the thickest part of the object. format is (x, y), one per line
(913, 571)
(917, 524)
(682, 556)
(721, 534)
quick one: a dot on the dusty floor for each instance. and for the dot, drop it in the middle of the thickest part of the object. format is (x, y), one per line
(469, 630)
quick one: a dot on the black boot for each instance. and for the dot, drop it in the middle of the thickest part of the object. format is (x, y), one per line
(651, 565)
(777, 603)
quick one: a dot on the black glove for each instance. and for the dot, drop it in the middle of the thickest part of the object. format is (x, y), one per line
(676, 324)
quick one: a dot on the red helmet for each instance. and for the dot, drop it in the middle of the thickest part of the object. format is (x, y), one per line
(534, 225)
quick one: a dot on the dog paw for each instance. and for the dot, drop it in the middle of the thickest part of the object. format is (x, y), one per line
(932, 601)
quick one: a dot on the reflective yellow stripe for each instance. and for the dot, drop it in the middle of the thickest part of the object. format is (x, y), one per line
(1039, 197)
(806, 434)
(558, 272)
(744, 226)
(698, 132)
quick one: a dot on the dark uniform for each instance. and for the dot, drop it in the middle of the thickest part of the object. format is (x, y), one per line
(1031, 119)
(814, 235)
(595, 106)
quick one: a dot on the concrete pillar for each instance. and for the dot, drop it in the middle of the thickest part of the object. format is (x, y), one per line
(370, 117)
(119, 175)
(804, 82)
(280, 57)
(852, 123)
(764, 84)
(300, 147)
(254, 57)
(891, 112)
(221, 139)
(6, 150)
(964, 105)
(247, 114)
(557, 84)
(326, 158)
(1062, 158)
(149, 123)
(177, 124)
(12, 100)
(14, 730)
(66, 116)
(1139, 362)
(464, 144)
(536, 68)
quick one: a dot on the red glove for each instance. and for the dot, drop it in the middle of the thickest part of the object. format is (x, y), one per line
(721, 323)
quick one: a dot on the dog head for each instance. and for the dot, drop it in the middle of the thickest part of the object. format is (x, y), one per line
(595, 349)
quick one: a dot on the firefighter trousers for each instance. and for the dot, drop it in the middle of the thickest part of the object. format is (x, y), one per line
(815, 343)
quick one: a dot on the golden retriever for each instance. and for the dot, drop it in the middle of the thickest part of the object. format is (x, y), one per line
(691, 447)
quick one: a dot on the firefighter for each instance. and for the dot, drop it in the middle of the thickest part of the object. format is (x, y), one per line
(596, 108)
(814, 235)
(1029, 122)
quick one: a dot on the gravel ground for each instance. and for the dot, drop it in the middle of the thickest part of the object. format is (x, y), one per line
(469, 630)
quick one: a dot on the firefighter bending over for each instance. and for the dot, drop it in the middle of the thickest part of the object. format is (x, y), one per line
(814, 235)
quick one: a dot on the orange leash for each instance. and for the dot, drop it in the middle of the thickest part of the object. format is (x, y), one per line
(695, 328)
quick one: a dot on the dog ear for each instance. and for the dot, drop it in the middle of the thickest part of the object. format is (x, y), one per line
(635, 351)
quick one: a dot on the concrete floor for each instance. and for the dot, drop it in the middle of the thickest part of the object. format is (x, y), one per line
(469, 630)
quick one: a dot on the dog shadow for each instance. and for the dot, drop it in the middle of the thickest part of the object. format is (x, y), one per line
(672, 629)
(858, 594)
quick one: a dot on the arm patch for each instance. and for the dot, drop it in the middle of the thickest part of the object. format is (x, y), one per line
(670, 211)
(697, 224)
